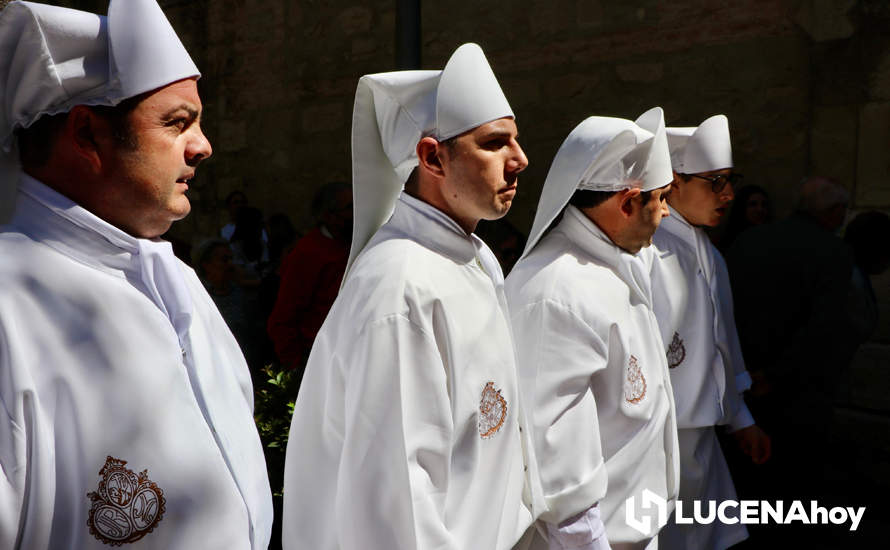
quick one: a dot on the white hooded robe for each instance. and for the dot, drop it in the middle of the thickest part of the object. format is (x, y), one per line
(94, 374)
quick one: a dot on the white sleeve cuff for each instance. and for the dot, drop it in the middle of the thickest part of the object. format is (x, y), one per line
(743, 381)
(584, 531)
(742, 419)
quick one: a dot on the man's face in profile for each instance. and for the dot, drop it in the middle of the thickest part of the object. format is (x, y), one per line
(151, 174)
(482, 170)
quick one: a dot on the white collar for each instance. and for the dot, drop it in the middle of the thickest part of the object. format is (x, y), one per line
(437, 231)
(588, 236)
(149, 264)
(695, 237)
(434, 228)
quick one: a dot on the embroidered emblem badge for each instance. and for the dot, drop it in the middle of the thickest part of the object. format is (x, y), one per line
(676, 352)
(634, 383)
(126, 507)
(492, 411)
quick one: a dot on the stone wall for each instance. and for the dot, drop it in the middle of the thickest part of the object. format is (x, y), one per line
(805, 84)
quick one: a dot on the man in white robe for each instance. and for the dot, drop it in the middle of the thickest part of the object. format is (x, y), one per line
(408, 432)
(128, 405)
(694, 309)
(590, 355)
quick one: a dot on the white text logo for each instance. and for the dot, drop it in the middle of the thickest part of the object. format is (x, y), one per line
(747, 512)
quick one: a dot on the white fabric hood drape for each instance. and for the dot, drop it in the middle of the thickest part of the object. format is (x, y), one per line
(604, 154)
(393, 111)
(53, 58)
(701, 149)
(159, 276)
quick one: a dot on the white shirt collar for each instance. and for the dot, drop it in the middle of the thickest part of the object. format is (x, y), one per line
(695, 237)
(149, 264)
(631, 268)
(437, 231)
(434, 228)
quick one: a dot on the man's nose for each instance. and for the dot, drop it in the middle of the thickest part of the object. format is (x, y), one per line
(519, 160)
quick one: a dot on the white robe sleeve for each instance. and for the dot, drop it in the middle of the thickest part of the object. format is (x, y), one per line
(25, 489)
(585, 531)
(12, 450)
(12, 469)
(742, 419)
(397, 438)
(558, 354)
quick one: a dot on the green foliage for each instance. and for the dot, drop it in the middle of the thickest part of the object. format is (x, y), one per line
(273, 409)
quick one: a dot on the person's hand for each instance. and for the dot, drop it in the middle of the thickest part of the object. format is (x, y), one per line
(760, 385)
(754, 442)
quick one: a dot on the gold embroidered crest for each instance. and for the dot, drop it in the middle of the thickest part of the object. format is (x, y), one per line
(126, 506)
(634, 383)
(492, 411)
(676, 352)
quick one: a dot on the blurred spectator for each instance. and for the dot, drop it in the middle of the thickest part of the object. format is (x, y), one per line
(751, 207)
(282, 238)
(504, 239)
(869, 237)
(219, 274)
(790, 284)
(311, 275)
(248, 245)
(235, 201)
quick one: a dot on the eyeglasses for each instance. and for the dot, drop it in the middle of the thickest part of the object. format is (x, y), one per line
(718, 183)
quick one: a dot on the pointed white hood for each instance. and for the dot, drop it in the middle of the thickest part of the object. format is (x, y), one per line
(53, 58)
(701, 149)
(604, 154)
(393, 111)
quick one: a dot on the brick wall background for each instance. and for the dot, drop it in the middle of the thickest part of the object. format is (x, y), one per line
(805, 84)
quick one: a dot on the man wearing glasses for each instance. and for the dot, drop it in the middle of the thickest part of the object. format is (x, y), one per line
(693, 304)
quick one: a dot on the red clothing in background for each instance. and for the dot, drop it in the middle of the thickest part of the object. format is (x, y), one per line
(310, 279)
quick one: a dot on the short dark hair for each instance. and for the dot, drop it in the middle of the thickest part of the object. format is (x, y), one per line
(234, 194)
(205, 253)
(325, 199)
(411, 182)
(36, 142)
(118, 117)
(586, 198)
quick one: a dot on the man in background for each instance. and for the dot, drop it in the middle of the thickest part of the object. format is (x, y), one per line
(791, 283)
(311, 275)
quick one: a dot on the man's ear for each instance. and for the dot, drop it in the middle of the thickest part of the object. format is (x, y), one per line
(626, 201)
(429, 155)
(82, 133)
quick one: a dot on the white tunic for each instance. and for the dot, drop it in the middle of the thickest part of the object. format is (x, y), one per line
(693, 302)
(407, 432)
(93, 374)
(591, 358)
